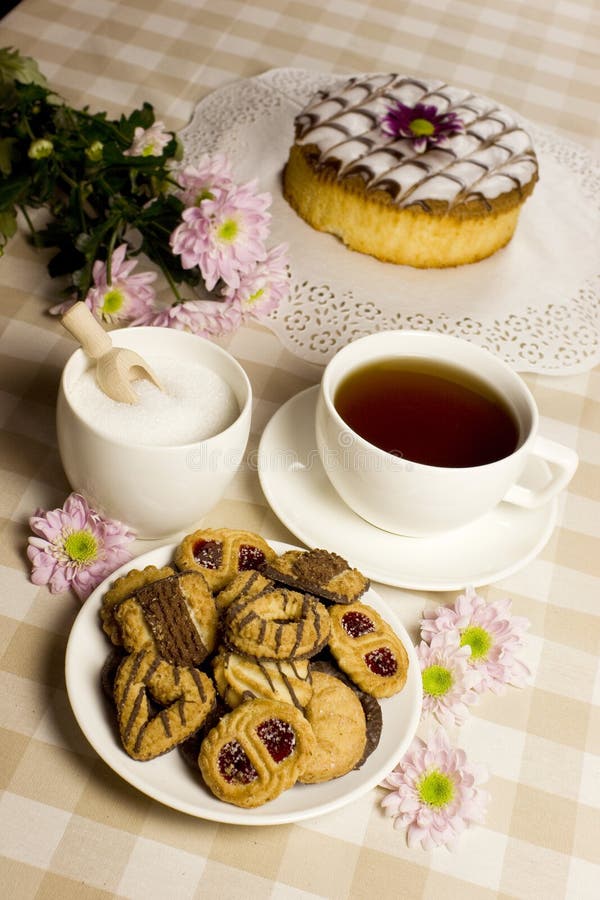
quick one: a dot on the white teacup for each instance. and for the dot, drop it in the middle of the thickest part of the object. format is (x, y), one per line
(410, 498)
(159, 491)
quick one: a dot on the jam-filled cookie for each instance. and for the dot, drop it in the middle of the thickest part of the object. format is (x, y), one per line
(338, 721)
(220, 553)
(245, 584)
(277, 624)
(175, 616)
(256, 752)
(124, 587)
(368, 650)
(319, 572)
(186, 695)
(240, 678)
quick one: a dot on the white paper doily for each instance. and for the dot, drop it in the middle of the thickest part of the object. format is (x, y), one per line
(536, 303)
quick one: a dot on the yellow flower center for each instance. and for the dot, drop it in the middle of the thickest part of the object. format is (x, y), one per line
(255, 296)
(113, 301)
(437, 680)
(478, 639)
(422, 127)
(436, 789)
(81, 546)
(228, 230)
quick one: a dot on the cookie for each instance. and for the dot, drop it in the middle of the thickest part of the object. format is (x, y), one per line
(109, 670)
(370, 705)
(124, 587)
(246, 584)
(240, 678)
(220, 553)
(186, 695)
(319, 572)
(175, 616)
(276, 624)
(256, 752)
(338, 722)
(367, 649)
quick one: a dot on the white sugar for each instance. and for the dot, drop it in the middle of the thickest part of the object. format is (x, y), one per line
(195, 404)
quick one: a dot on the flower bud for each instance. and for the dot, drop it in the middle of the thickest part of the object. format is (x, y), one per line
(94, 151)
(40, 149)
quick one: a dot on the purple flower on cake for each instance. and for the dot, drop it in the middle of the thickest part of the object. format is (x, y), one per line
(262, 289)
(423, 124)
(149, 141)
(435, 792)
(204, 181)
(224, 237)
(450, 684)
(74, 547)
(493, 634)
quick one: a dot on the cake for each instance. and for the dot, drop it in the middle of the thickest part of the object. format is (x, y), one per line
(409, 170)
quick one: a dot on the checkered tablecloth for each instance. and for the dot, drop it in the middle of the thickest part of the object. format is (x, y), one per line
(70, 827)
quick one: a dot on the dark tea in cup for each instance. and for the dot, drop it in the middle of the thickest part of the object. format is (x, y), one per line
(427, 412)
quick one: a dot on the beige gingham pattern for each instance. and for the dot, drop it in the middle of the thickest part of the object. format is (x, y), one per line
(69, 827)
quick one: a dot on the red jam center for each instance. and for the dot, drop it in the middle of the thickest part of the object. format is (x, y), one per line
(382, 662)
(234, 765)
(250, 558)
(208, 554)
(278, 737)
(357, 623)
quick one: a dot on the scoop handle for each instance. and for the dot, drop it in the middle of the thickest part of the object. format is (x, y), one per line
(83, 325)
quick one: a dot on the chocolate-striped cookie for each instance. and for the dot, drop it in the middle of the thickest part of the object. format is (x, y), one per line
(175, 616)
(122, 588)
(186, 695)
(320, 572)
(277, 624)
(240, 678)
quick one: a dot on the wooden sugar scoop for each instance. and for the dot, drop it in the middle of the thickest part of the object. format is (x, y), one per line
(116, 367)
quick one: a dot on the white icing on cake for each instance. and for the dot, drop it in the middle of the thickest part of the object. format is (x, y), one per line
(493, 155)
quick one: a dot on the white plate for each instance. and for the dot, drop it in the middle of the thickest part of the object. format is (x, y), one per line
(300, 494)
(170, 780)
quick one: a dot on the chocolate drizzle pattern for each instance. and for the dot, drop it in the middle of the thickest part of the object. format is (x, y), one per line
(277, 623)
(493, 155)
(188, 692)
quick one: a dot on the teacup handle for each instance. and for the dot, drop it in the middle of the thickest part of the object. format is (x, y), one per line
(562, 461)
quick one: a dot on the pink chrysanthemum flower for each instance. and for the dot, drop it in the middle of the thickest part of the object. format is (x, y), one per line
(127, 296)
(263, 288)
(435, 792)
(207, 318)
(493, 634)
(423, 124)
(224, 237)
(149, 141)
(210, 318)
(175, 316)
(450, 684)
(74, 547)
(204, 181)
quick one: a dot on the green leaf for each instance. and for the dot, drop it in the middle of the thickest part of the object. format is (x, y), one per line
(6, 154)
(8, 224)
(14, 67)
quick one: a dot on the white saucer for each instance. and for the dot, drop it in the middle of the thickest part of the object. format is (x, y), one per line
(300, 494)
